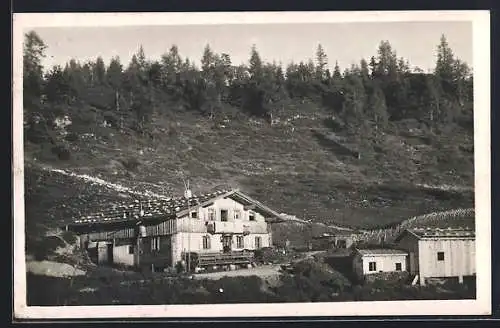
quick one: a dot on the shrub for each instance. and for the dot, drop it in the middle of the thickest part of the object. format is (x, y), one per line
(41, 248)
(43, 290)
(62, 152)
(270, 255)
(322, 273)
(71, 137)
(312, 282)
(237, 290)
(131, 163)
(37, 133)
(112, 118)
(388, 278)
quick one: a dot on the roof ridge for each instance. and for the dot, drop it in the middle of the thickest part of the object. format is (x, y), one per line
(137, 208)
(440, 229)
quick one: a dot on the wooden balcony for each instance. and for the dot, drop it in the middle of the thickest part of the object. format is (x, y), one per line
(221, 259)
(220, 227)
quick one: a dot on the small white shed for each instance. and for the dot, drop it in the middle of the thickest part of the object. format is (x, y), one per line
(370, 261)
(439, 253)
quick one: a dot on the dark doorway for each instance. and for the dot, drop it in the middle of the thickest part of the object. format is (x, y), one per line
(227, 243)
(342, 243)
(110, 253)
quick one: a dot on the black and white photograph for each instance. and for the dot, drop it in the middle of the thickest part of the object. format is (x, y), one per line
(251, 164)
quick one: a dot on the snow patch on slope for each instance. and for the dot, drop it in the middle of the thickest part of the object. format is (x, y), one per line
(113, 186)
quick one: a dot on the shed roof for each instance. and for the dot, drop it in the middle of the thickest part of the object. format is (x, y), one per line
(164, 208)
(433, 233)
(380, 252)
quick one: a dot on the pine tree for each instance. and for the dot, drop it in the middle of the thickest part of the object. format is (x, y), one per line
(114, 74)
(445, 61)
(141, 58)
(255, 68)
(387, 64)
(321, 63)
(373, 67)
(378, 108)
(99, 71)
(74, 76)
(364, 71)
(57, 87)
(207, 60)
(337, 75)
(33, 54)
(355, 99)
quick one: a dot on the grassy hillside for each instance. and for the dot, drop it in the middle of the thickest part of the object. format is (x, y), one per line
(364, 148)
(407, 171)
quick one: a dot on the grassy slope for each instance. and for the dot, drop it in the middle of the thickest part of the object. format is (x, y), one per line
(292, 171)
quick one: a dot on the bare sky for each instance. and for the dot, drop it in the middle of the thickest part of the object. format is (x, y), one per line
(346, 43)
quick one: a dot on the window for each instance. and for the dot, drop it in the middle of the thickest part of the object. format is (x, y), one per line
(258, 243)
(372, 266)
(131, 249)
(211, 214)
(342, 243)
(155, 244)
(398, 266)
(440, 256)
(206, 242)
(194, 215)
(240, 242)
(251, 216)
(237, 214)
(223, 215)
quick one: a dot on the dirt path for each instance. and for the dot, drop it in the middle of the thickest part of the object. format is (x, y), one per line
(53, 269)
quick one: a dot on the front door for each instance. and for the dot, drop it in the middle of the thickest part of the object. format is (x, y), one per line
(104, 253)
(110, 253)
(227, 242)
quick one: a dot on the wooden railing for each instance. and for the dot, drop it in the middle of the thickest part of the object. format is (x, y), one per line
(238, 227)
(219, 259)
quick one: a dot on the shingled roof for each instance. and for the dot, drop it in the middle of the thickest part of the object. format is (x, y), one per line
(443, 233)
(436, 233)
(380, 252)
(164, 208)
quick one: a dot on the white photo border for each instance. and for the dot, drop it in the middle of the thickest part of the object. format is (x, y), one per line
(481, 70)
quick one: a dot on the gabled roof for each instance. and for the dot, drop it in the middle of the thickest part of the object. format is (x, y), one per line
(242, 198)
(167, 208)
(437, 233)
(380, 252)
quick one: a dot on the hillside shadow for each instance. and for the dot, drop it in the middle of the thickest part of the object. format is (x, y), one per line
(329, 142)
(333, 125)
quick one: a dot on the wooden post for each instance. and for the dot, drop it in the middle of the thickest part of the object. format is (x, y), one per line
(138, 248)
(189, 238)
